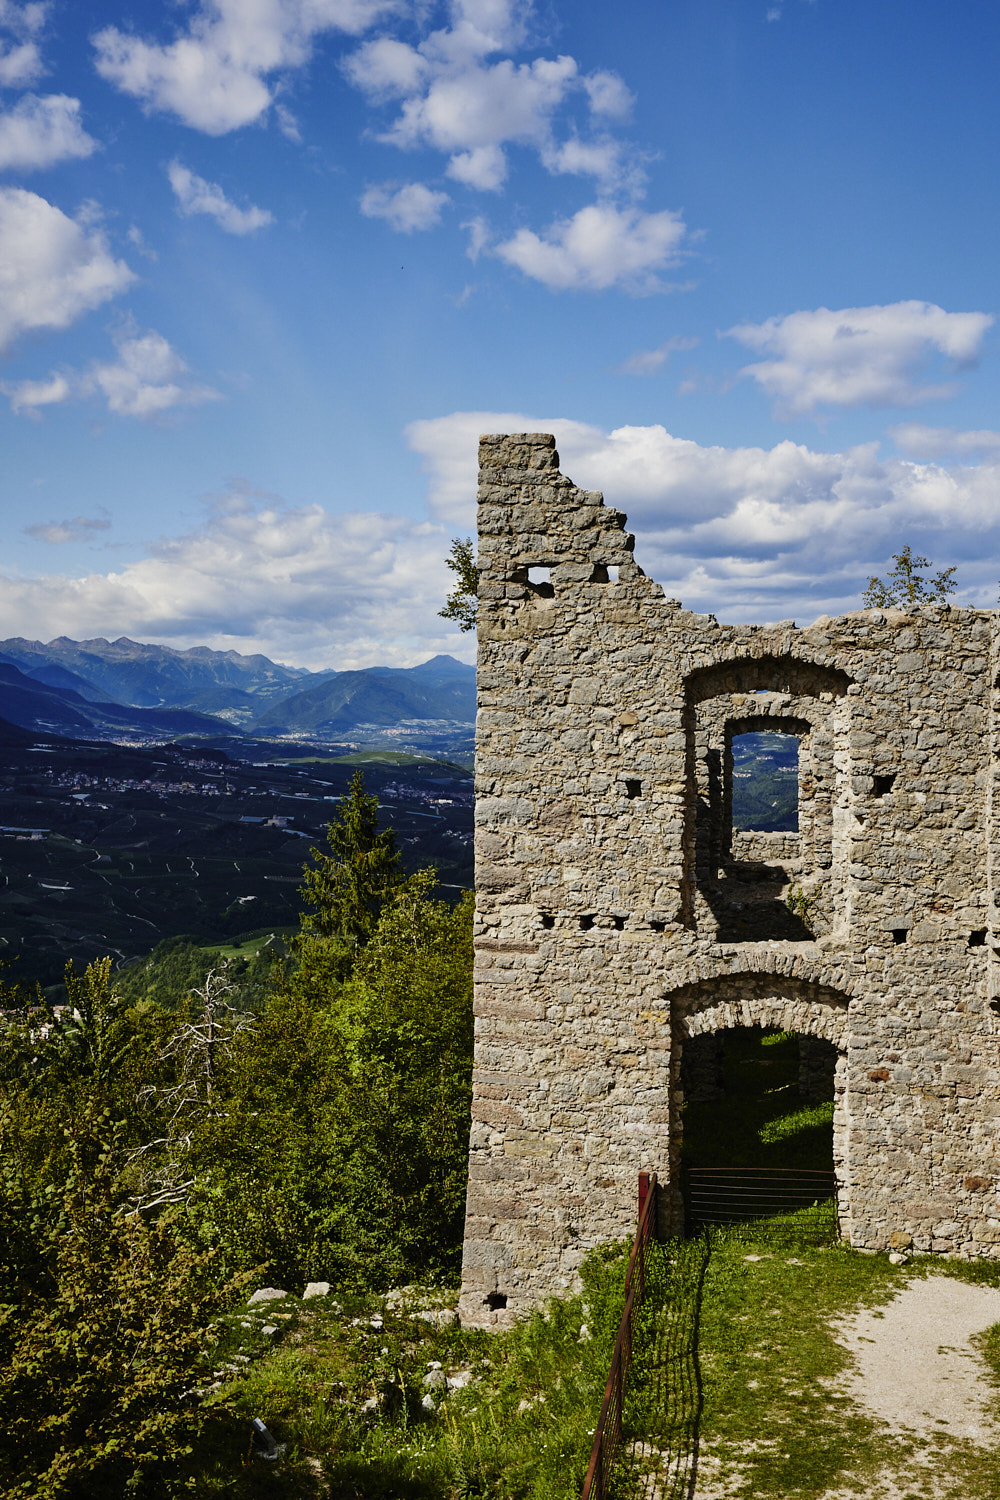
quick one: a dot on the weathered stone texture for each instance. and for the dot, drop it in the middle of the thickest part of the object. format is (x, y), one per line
(619, 916)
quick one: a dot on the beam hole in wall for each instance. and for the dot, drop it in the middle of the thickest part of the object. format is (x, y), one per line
(657, 926)
(977, 939)
(633, 789)
(619, 924)
(548, 920)
(883, 783)
(586, 923)
(900, 934)
(496, 1300)
(539, 579)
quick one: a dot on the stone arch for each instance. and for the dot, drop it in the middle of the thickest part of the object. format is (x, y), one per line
(795, 676)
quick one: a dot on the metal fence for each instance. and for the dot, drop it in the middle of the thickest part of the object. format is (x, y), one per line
(608, 1433)
(779, 1204)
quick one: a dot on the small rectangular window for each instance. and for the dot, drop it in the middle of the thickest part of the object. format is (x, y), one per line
(977, 939)
(900, 934)
(884, 783)
(633, 788)
(538, 575)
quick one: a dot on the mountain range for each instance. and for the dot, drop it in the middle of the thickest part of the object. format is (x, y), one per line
(99, 689)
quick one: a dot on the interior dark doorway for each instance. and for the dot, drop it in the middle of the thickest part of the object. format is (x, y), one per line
(758, 1125)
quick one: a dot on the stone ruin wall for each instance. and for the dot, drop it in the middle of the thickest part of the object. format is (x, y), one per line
(618, 917)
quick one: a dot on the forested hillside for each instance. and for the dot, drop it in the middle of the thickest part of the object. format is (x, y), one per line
(299, 1115)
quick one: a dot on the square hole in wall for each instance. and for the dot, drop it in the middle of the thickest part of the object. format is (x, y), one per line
(619, 924)
(977, 939)
(538, 576)
(548, 920)
(657, 926)
(883, 784)
(633, 788)
(586, 923)
(900, 934)
(612, 572)
(496, 1300)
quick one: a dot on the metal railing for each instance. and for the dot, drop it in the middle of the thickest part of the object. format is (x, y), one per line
(774, 1202)
(608, 1433)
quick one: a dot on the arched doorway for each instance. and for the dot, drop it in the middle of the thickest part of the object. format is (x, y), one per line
(763, 1057)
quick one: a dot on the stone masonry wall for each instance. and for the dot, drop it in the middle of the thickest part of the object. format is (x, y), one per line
(617, 915)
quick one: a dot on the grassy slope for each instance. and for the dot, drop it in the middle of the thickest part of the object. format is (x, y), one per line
(739, 1383)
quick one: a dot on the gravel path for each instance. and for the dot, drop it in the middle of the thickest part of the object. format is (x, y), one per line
(915, 1369)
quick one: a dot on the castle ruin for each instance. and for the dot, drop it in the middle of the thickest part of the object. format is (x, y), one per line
(620, 917)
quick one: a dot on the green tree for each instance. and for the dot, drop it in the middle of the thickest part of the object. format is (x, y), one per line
(906, 586)
(462, 602)
(347, 886)
(103, 1332)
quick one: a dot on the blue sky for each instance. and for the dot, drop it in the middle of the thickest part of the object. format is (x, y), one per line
(268, 267)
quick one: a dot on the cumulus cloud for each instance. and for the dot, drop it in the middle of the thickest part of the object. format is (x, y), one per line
(214, 74)
(854, 356)
(146, 378)
(295, 582)
(53, 268)
(406, 208)
(79, 529)
(651, 361)
(20, 56)
(599, 247)
(454, 99)
(196, 196)
(752, 533)
(38, 132)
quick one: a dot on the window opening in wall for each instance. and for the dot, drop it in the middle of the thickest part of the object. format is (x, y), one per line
(612, 572)
(619, 924)
(977, 939)
(883, 783)
(759, 1100)
(900, 934)
(633, 788)
(766, 783)
(548, 920)
(496, 1300)
(537, 576)
(586, 923)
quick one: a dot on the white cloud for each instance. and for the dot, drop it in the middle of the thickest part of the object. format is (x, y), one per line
(860, 355)
(21, 59)
(295, 582)
(80, 528)
(38, 132)
(196, 196)
(608, 95)
(147, 378)
(485, 168)
(918, 441)
(52, 268)
(599, 247)
(287, 123)
(406, 208)
(753, 533)
(457, 102)
(213, 75)
(27, 396)
(650, 361)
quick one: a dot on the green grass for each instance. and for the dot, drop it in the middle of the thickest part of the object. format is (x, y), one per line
(737, 1382)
